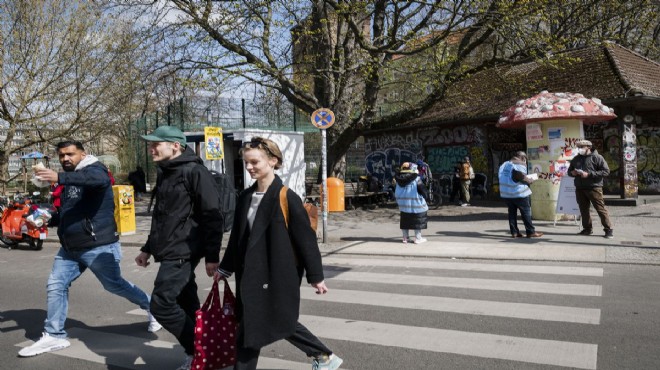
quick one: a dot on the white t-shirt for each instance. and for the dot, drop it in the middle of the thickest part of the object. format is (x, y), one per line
(254, 205)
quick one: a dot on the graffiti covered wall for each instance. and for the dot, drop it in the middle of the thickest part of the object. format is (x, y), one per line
(648, 159)
(489, 147)
(441, 148)
(640, 157)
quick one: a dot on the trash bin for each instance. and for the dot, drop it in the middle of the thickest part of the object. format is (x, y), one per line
(335, 194)
(124, 209)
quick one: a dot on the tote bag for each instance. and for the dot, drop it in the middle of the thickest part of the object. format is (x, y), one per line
(215, 331)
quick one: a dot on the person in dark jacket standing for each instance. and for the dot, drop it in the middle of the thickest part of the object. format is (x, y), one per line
(186, 225)
(411, 197)
(269, 257)
(589, 168)
(137, 180)
(88, 234)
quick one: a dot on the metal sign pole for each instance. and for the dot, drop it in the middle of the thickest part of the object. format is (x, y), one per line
(324, 177)
(322, 119)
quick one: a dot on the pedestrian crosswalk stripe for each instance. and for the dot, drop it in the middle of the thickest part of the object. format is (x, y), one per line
(467, 266)
(470, 283)
(538, 351)
(131, 352)
(464, 306)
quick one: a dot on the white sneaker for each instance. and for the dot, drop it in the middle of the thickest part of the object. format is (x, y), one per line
(420, 241)
(43, 345)
(187, 364)
(154, 326)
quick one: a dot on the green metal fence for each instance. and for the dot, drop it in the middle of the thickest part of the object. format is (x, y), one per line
(230, 113)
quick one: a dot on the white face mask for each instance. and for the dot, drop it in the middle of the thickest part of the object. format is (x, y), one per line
(582, 151)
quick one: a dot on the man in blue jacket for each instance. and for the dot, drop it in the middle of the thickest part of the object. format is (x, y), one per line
(88, 234)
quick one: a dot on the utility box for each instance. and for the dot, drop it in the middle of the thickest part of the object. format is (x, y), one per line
(124, 209)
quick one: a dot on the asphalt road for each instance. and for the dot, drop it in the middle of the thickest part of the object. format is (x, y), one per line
(391, 312)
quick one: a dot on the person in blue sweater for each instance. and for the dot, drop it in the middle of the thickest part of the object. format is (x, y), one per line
(411, 197)
(514, 189)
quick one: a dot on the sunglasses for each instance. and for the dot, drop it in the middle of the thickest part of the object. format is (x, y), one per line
(258, 143)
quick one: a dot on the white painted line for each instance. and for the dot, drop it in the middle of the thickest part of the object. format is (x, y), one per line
(463, 306)
(538, 351)
(138, 353)
(466, 266)
(468, 283)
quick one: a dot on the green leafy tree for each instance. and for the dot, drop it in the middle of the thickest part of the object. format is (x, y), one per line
(348, 55)
(59, 67)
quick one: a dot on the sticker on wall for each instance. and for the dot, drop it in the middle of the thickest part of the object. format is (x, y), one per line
(536, 168)
(561, 167)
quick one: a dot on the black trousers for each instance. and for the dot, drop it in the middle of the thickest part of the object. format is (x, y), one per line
(303, 339)
(174, 300)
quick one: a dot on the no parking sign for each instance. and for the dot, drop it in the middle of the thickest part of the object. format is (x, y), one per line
(323, 118)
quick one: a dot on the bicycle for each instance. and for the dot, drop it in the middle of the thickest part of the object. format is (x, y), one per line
(432, 186)
(435, 193)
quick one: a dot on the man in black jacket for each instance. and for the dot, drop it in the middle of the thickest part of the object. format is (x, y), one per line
(186, 225)
(589, 168)
(88, 234)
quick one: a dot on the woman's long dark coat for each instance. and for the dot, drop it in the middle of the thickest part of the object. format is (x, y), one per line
(267, 278)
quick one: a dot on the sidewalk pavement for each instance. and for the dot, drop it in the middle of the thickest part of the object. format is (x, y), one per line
(476, 232)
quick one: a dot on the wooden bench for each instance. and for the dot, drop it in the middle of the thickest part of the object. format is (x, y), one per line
(353, 192)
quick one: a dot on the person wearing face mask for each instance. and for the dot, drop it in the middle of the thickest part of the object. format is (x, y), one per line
(514, 189)
(589, 168)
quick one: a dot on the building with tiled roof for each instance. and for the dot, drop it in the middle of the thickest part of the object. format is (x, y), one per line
(464, 122)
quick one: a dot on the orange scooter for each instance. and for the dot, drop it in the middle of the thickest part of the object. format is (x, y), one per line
(24, 221)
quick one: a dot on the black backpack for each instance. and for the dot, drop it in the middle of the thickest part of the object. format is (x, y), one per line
(225, 187)
(226, 192)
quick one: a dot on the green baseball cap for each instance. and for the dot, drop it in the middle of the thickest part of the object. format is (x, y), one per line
(167, 133)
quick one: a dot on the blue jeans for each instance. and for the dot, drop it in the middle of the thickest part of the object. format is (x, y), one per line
(525, 208)
(103, 261)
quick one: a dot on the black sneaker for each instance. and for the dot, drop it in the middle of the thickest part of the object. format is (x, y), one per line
(609, 234)
(586, 232)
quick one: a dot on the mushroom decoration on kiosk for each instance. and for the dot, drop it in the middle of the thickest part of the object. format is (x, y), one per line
(553, 106)
(553, 122)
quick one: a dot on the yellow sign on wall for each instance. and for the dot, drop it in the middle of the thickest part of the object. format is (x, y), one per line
(213, 139)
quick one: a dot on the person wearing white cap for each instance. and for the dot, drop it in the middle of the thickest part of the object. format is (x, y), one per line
(589, 168)
(411, 197)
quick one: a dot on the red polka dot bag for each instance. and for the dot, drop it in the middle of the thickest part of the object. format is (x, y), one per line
(215, 331)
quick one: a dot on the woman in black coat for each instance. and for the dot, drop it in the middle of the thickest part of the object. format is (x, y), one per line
(269, 258)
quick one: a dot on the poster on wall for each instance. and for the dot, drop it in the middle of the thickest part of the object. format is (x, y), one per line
(534, 132)
(533, 153)
(554, 133)
(214, 145)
